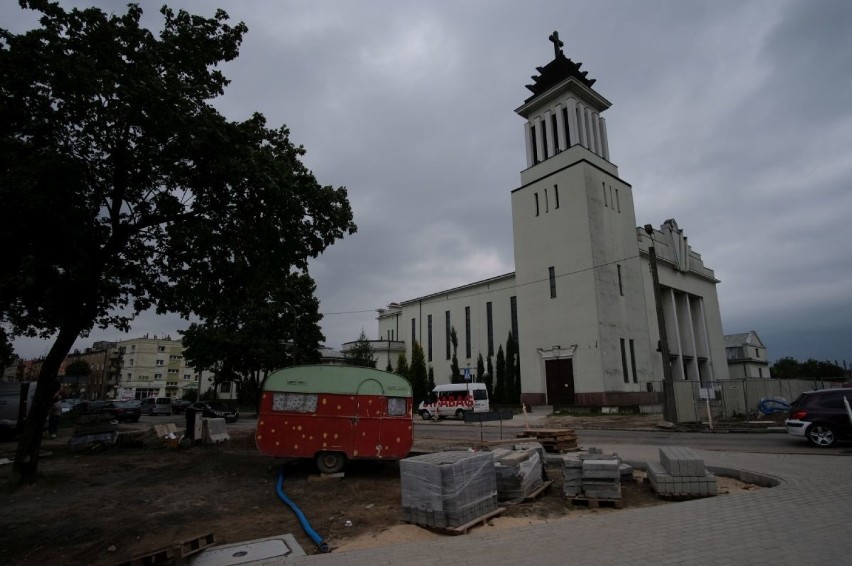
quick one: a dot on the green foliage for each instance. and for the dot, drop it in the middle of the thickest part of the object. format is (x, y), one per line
(790, 368)
(500, 383)
(78, 368)
(489, 377)
(511, 392)
(455, 376)
(7, 351)
(402, 366)
(480, 368)
(389, 367)
(361, 352)
(417, 373)
(123, 188)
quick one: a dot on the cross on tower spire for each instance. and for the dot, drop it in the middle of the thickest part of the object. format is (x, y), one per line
(557, 45)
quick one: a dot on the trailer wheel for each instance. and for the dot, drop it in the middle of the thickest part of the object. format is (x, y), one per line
(330, 462)
(460, 415)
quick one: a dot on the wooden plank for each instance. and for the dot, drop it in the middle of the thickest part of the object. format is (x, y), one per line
(463, 529)
(536, 492)
(595, 502)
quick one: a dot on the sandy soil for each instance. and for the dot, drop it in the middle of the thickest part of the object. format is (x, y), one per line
(111, 505)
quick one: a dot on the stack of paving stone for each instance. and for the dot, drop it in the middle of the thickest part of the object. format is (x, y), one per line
(592, 476)
(681, 473)
(448, 489)
(519, 470)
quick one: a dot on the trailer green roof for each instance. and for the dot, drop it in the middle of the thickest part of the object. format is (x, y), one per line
(342, 380)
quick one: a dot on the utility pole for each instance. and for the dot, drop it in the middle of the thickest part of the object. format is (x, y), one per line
(669, 409)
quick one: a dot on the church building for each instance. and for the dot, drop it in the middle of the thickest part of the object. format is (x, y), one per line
(581, 303)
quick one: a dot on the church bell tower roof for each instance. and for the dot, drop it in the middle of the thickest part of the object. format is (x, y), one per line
(556, 71)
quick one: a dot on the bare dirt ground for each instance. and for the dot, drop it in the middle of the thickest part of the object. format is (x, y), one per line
(110, 505)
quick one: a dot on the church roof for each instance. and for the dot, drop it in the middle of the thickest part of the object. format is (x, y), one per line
(556, 71)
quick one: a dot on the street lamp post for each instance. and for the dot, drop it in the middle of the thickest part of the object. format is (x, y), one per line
(669, 411)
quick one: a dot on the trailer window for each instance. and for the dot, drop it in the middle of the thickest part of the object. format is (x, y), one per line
(295, 402)
(396, 406)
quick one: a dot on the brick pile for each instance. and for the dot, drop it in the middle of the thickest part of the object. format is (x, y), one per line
(592, 476)
(681, 473)
(519, 470)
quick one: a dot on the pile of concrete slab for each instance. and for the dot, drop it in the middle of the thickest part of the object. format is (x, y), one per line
(681, 473)
(592, 475)
(448, 489)
(519, 469)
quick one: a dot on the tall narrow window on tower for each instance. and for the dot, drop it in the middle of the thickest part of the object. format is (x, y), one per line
(534, 142)
(413, 331)
(603, 187)
(633, 361)
(617, 201)
(513, 313)
(536, 204)
(546, 201)
(556, 195)
(620, 286)
(551, 274)
(567, 127)
(467, 332)
(624, 362)
(555, 132)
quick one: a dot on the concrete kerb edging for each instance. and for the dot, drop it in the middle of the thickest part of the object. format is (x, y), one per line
(746, 476)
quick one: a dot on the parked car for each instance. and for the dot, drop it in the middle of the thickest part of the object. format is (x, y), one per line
(180, 405)
(216, 410)
(821, 416)
(123, 411)
(156, 406)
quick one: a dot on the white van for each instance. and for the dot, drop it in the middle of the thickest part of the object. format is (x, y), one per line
(16, 399)
(455, 399)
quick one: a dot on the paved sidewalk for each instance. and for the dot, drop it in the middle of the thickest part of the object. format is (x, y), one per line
(805, 520)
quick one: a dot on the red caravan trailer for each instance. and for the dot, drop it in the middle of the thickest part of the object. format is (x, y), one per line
(335, 413)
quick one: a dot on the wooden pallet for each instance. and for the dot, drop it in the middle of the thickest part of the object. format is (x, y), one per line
(553, 439)
(595, 502)
(463, 529)
(170, 555)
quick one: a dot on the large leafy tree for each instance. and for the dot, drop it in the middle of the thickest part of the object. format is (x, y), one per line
(124, 189)
(361, 352)
(259, 331)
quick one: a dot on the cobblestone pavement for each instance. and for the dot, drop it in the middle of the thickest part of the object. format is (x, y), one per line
(804, 520)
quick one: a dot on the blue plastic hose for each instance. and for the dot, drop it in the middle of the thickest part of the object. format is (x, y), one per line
(321, 544)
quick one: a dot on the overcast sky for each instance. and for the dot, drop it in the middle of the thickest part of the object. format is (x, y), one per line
(732, 117)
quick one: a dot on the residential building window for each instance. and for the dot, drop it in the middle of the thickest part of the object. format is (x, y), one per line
(187, 377)
(620, 286)
(759, 372)
(467, 331)
(161, 348)
(756, 353)
(130, 362)
(429, 331)
(129, 375)
(536, 204)
(624, 362)
(633, 361)
(551, 274)
(489, 322)
(158, 376)
(159, 363)
(225, 387)
(413, 331)
(447, 331)
(556, 196)
(513, 311)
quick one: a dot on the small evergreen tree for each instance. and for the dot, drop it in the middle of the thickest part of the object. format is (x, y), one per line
(489, 378)
(510, 396)
(518, 377)
(454, 365)
(361, 353)
(500, 384)
(402, 366)
(418, 378)
(480, 368)
(389, 367)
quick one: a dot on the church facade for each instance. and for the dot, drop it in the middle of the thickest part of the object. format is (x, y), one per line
(580, 304)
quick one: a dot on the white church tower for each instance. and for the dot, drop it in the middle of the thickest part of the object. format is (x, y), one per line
(583, 329)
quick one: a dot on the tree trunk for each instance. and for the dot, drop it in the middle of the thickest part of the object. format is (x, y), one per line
(26, 456)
